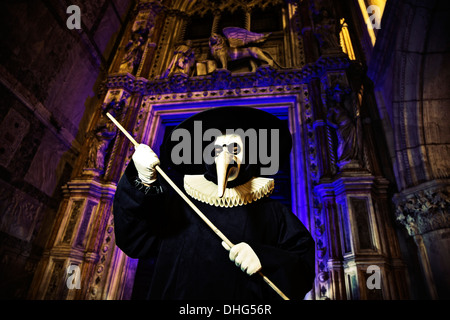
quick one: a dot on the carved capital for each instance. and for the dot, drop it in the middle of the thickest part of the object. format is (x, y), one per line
(423, 211)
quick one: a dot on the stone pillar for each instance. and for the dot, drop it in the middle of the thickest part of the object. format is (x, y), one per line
(330, 278)
(68, 262)
(357, 249)
(81, 259)
(363, 254)
(424, 212)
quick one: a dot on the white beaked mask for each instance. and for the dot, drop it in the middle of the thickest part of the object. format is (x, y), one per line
(229, 151)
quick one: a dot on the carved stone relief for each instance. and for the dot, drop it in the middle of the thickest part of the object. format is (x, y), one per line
(134, 50)
(20, 213)
(13, 129)
(424, 211)
(344, 116)
(73, 219)
(326, 30)
(46, 169)
(101, 136)
(54, 287)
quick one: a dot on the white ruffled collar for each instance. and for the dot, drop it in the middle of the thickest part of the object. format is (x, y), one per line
(198, 187)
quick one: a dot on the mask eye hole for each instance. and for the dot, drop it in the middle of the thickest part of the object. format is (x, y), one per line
(234, 148)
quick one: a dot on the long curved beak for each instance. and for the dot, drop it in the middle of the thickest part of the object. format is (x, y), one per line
(224, 164)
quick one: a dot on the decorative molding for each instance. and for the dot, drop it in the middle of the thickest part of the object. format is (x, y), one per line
(152, 5)
(322, 254)
(265, 76)
(201, 7)
(89, 186)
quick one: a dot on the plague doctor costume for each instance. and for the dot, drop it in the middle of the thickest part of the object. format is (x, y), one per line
(151, 220)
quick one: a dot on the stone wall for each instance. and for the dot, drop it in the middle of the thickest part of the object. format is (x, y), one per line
(49, 81)
(410, 69)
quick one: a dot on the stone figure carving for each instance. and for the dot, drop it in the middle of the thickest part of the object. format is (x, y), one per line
(101, 136)
(348, 133)
(326, 30)
(234, 46)
(20, 212)
(134, 50)
(182, 61)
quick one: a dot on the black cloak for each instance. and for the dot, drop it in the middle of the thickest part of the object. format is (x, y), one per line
(190, 260)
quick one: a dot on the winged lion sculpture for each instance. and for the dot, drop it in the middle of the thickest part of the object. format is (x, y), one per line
(237, 45)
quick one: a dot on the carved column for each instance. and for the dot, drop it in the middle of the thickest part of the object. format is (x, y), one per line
(306, 33)
(359, 236)
(330, 279)
(81, 219)
(353, 232)
(424, 212)
(248, 18)
(215, 24)
(81, 259)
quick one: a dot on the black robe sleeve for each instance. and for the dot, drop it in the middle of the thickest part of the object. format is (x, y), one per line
(290, 263)
(141, 219)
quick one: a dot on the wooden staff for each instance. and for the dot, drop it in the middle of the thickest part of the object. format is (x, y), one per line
(194, 207)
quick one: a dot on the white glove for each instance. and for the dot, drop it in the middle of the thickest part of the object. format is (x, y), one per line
(145, 161)
(244, 257)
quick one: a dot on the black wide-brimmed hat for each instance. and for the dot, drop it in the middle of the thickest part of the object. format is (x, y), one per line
(223, 118)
